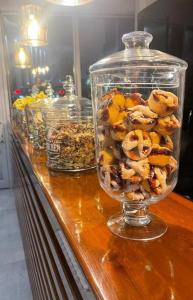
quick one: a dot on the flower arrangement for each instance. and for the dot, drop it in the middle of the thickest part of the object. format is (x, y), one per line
(21, 103)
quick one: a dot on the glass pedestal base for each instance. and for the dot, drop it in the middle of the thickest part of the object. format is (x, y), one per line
(120, 226)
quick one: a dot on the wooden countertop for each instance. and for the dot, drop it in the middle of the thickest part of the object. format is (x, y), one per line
(117, 268)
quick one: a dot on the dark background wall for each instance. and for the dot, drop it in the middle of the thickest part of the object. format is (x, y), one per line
(171, 23)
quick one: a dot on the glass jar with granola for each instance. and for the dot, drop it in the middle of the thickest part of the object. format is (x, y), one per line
(70, 137)
(69, 131)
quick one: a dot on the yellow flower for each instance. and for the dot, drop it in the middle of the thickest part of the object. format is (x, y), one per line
(21, 103)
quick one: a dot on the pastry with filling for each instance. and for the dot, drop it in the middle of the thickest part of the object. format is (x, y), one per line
(135, 192)
(118, 131)
(111, 113)
(156, 183)
(135, 179)
(115, 96)
(112, 107)
(134, 99)
(159, 156)
(112, 178)
(155, 138)
(167, 125)
(162, 140)
(166, 141)
(141, 167)
(126, 171)
(135, 196)
(163, 103)
(105, 158)
(108, 113)
(141, 117)
(171, 167)
(137, 145)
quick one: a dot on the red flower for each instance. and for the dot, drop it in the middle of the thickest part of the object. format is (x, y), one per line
(17, 91)
(61, 92)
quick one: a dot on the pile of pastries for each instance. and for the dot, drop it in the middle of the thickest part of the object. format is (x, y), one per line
(136, 142)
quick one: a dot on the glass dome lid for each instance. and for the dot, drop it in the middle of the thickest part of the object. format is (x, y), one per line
(70, 99)
(40, 104)
(138, 54)
(43, 103)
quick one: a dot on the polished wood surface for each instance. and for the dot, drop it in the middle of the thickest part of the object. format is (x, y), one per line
(118, 268)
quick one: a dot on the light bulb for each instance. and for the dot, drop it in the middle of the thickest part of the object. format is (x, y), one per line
(22, 56)
(47, 68)
(43, 71)
(39, 70)
(34, 72)
(33, 28)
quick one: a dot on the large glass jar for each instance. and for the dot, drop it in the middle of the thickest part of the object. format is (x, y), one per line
(138, 98)
(69, 132)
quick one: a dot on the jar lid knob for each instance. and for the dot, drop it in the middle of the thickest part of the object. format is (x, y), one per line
(49, 90)
(69, 85)
(137, 39)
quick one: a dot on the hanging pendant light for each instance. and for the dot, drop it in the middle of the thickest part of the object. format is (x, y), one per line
(70, 2)
(34, 26)
(22, 58)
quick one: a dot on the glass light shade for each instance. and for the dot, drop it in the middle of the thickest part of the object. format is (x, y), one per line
(34, 26)
(70, 2)
(22, 58)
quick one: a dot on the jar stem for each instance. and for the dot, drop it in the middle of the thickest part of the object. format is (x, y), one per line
(135, 215)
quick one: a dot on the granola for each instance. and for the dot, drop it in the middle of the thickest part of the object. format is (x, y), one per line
(70, 146)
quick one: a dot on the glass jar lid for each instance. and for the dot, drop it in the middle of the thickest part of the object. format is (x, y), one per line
(70, 98)
(74, 110)
(70, 105)
(40, 104)
(137, 54)
(44, 103)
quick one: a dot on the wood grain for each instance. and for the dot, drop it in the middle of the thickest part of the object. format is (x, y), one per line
(118, 268)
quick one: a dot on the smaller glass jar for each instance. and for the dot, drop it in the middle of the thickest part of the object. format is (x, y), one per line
(35, 124)
(70, 136)
(70, 140)
(35, 119)
(19, 122)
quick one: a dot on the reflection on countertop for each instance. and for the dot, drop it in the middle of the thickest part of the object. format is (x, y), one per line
(120, 269)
